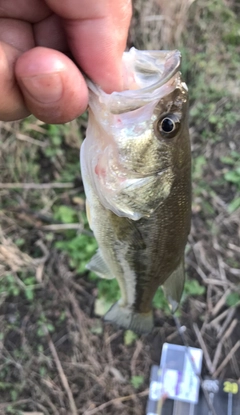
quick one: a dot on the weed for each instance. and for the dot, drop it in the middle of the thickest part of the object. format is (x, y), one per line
(193, 288)
(137, 381)
(129, 337)
(13, 285)
(232, 175)
(9, 286)
(65, 214)
(159, 301)
(80, 249)
(233, 299)
(10, 410)
(44, 326)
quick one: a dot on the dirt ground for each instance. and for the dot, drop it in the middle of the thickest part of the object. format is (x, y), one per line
(56, 357)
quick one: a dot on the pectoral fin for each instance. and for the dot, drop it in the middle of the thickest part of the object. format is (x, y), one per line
(99, 267)
(173, 287)
(126, 231)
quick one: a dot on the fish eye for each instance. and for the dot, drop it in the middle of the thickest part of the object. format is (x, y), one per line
(168, 125)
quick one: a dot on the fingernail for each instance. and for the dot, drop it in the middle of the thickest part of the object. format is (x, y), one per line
(45, 89)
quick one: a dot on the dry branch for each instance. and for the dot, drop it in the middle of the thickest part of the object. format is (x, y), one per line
(230, 314)
(116, 400)
(31, 140)
(36, 186)
(20, 402)
(63, 227)
(204, 348)
(32, 413)
(63, 377)
(136, 353)
(226, 335)
(221, 302)
(226, 360)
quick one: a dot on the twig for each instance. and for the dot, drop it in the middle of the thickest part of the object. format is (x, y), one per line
(63, 377)
(231, 312)
(227, 358)
(234, 247)
(20, 402)
(209, 309)
(80, 289)
(226, 335)
(116, 400)
(136, 353)
(217, 319)
(221, 302)
(175, 334)
(221, 268)
(44, 396)
(31, 140)
(192, 361)
(108, 348)
(204, 348)
(81, 321)
(217, 355)
(234, 271)
(62, 227)
(113, 336)
(37, 215)
(221, 283)
(198, 269)
(36, 186)
(32, 413)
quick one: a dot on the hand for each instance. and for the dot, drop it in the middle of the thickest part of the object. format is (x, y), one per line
(36, 38)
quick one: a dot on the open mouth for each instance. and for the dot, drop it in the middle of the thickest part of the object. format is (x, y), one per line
(148, 75)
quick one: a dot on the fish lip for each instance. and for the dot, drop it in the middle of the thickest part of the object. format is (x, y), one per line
(157, 67)
(172, 63)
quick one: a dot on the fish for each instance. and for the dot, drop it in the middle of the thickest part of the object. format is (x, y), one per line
(136, 171)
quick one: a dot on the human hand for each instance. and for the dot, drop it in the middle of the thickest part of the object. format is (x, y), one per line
(37, 76)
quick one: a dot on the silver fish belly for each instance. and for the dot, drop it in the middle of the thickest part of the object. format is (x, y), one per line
(136, 169)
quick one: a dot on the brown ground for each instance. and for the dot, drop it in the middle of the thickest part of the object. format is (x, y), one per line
(55, 357)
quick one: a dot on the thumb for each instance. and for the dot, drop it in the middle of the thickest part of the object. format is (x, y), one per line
(97, 34)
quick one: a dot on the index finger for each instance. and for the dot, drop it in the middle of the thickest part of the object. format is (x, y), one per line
(97, 34)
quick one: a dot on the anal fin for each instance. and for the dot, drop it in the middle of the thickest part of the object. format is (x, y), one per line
(127, 319)
(99, 267)
(173, 286)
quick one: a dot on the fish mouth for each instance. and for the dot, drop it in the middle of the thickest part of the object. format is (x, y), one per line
(152, 69)
(148, 75)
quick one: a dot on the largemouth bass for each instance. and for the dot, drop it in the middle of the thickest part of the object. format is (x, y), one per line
(136, 169)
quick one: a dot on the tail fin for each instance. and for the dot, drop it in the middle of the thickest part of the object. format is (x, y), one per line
(125, 318)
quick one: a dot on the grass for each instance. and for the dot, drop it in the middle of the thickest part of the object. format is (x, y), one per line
(45, 293)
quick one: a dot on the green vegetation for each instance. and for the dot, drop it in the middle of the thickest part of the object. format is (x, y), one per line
(137, 381)
(129, 337)
(232, 175)
(233, 299)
